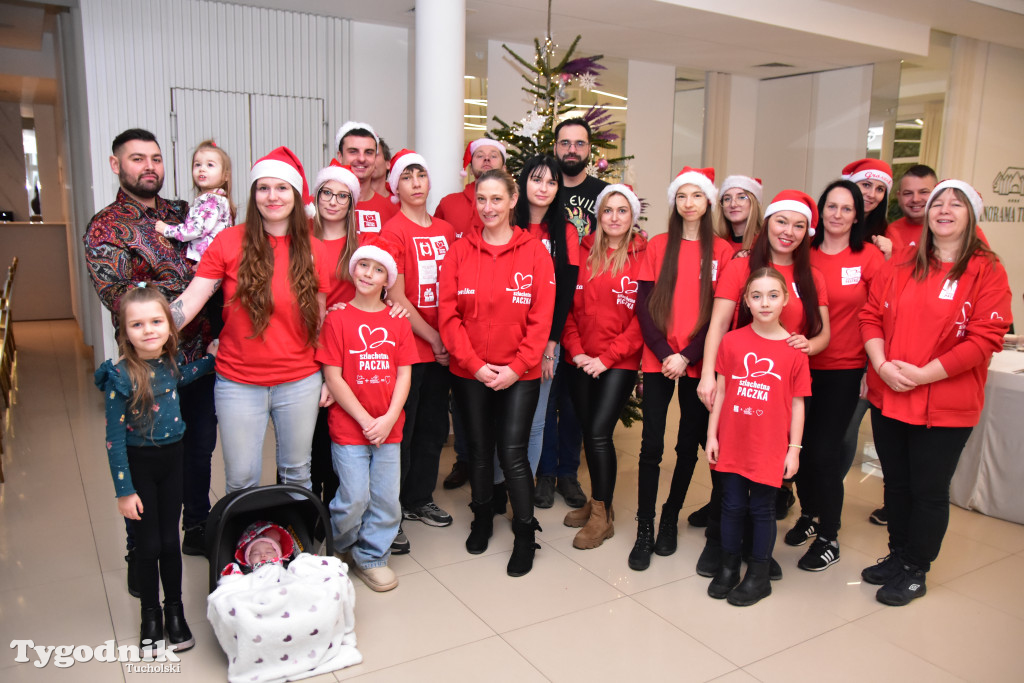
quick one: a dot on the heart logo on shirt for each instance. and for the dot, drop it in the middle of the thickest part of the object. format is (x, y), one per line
(627, 286)
(372, 338)
(751, 361)
(759, 413)
(521, 282)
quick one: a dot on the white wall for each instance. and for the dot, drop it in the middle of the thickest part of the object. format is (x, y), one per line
(809, 127)
(649, 126)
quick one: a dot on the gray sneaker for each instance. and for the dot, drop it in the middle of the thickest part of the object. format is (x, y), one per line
(571, 490)
(401, 545)
(544, 493)
(429, 514)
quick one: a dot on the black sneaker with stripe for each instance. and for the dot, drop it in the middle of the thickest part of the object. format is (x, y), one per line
(804, 529)
(822, 554)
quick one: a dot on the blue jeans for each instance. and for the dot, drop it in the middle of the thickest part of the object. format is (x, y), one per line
(365, 511)
(243, 411)
(563, 437)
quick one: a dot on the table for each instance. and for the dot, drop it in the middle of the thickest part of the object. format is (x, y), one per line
(990, 475)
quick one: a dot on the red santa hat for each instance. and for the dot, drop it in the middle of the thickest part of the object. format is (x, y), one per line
(282, 163)
(795, 200)
(972, 195)
(746, 183)
(704, 178)
(380, 251)
(869, 169)
(402, 160)
(472, 147)
(627, 192)
(338, 173)
(350, 126)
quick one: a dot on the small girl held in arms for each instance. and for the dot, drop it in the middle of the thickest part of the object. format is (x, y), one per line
(754, 432)
(213, 210)
(367, 358)
(144, 430)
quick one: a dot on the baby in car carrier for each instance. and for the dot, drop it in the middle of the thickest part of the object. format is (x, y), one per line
(261, 543)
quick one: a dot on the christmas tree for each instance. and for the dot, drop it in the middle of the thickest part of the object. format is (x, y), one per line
(547, 80)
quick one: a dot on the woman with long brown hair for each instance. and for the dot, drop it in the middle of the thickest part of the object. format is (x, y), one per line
(275, 279)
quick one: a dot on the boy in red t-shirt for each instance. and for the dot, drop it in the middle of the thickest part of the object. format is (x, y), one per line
(758, 409)
(367, 357)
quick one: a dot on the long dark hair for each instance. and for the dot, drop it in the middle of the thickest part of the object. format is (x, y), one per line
(877, 222)
(858, 231)
(659, 303)
(760, 257)
(554, 217)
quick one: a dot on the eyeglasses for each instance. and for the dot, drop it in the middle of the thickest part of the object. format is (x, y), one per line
(327, 196)
(736, 199)
(568, 144)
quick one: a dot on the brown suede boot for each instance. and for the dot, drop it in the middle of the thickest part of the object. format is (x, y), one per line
(578, 517)
(598, 528)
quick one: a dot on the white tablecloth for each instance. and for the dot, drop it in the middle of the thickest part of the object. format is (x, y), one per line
(990, 476)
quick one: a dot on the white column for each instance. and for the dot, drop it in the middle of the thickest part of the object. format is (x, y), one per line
(440, 68)
(961, 124)
(730, 119)
(648, 138)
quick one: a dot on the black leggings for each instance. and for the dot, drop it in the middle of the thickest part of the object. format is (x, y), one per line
(499, 419)
(918, 463)
(693, 431)
(157, 476)
(820, 477)
(598, 403)
(741, 496)
(321, 467)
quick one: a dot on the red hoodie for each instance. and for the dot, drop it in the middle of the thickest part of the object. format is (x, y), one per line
(459, 209)
(603, 320)
(961, 324)
(496, 303)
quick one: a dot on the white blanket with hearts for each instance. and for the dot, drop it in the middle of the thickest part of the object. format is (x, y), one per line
(280, 624)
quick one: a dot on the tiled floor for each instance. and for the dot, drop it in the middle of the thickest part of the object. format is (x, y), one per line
(580, 615)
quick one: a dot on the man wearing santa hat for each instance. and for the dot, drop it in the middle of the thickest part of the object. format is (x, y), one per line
(459, 208)
(357, 146)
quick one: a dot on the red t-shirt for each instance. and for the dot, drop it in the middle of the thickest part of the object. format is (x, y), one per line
(373, 213)
(281, 354)
(338, 290)
(572, 240)
(369, 348)
(903, 233)
(686, 297)
(847, 279)
(419, 252)
(762, 376)
(730, 287)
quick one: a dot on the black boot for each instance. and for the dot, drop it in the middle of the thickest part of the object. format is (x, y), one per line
(699, 518)
(133, 581)
(727, 577)
(481, 528)
(774, 568)
(668, 532)
(152, 631)
(499, 499)
(640, 555)
(755, 585)
(179, 637)
(524, 548)
(710, 558)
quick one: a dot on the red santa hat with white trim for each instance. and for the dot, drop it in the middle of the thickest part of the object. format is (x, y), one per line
(746, 183)
(973, 196)
(704, 178)
(401, 161)
(378, 250)
(627, 192)
(282, 163)
(473, 146)
(350, 126)
(869, 169)
(795, 200)
(338, 172)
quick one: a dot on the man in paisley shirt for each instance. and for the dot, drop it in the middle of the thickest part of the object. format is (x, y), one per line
(123, 248)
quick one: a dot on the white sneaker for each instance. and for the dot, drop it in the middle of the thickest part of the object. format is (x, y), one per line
(378, 579)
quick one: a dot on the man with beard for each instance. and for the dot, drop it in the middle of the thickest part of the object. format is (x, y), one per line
(572, 149)
(122, 249)
(560, 453)
(358, 148)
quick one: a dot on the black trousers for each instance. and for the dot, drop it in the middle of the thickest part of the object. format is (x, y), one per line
(918, 463)
(693, 432)
(820, 477)
(599, 403)
(321, 467)
(740, 496)
(499, 419)
(157, 474)
(425, 431)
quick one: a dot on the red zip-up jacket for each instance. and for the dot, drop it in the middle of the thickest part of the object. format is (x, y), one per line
(603, 320)
(961, 326)
(496, 303)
